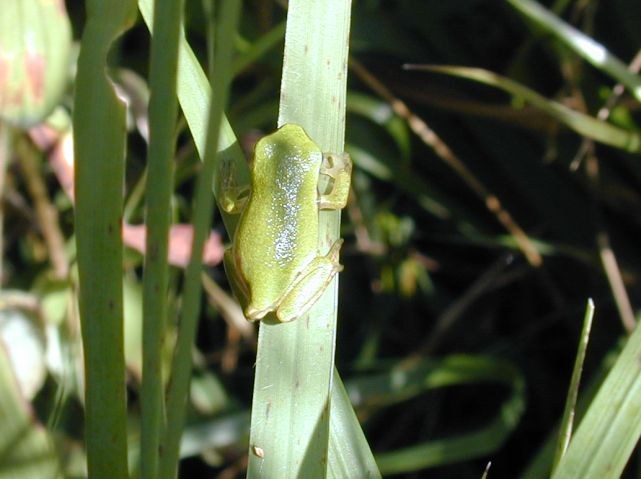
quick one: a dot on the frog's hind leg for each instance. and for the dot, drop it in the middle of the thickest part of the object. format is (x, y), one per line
(309, 287)
(240, 290)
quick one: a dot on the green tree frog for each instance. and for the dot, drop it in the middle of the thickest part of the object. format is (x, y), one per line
(274, 264)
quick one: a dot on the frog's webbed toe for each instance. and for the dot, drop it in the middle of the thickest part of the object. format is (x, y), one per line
(254, 314)
(309, 288)
(339, 168)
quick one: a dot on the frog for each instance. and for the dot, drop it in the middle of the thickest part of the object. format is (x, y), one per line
(274, 264)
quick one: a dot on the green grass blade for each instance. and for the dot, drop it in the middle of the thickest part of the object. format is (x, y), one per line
(260, 47)
(163, 108)
(540, 466)
(584, 46)
(582, 124)
(295, 362)
(203, 208)
(348, 449)
(610, 430)
(406, 382)
(565, 431)
(194, 94)
(99, 135)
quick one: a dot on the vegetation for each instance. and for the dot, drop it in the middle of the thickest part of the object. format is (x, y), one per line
(487, 308)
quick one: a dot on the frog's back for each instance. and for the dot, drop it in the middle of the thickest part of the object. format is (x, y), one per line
(279, 229)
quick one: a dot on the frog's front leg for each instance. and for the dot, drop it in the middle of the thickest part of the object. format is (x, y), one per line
(339, 168)
(310, 285)
(233, 199)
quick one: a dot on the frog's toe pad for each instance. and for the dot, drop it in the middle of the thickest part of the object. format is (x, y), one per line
(254, 314)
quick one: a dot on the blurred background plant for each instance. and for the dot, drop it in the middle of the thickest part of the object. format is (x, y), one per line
(489, 202)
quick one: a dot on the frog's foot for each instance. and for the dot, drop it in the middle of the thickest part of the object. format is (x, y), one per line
(232, 200)
(311, 285)
(337, 166)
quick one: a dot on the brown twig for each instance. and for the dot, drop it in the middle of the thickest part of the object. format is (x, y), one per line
(228, 308)
(604, 112)
(46, 213)
(364, 242)
(5, 149)
(431, 139)
(602, 238)
(455, 310)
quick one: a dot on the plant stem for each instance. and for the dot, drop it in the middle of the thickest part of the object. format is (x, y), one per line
(203, 209)
(163, 107)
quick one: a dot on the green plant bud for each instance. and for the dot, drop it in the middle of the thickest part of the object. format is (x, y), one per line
(35, 41)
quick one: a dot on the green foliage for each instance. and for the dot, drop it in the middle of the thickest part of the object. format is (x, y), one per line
(99, 143)
(511, 140)
(163, 107)
(295, 361)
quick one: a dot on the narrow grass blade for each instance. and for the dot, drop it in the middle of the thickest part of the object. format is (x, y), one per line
(565, 431)
(540, 466)
(584, 46)
(349, 452)
(427, 195)
(194, 91)
(295, 362)
(430, 138)
(163, 108)
(194, 94)
(381, 113)
(405, 382)
(582, 124)
(259, 47)
(227, 20)
(610, 430)
(99, 141)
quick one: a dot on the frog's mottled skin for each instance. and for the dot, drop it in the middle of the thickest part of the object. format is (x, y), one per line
(274, 263)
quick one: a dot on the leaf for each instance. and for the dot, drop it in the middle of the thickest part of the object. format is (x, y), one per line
(26, 451)
(611, 427)
(99, 142)
(581, 44)
(583, 124)
(295, 361)
(404, 382)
